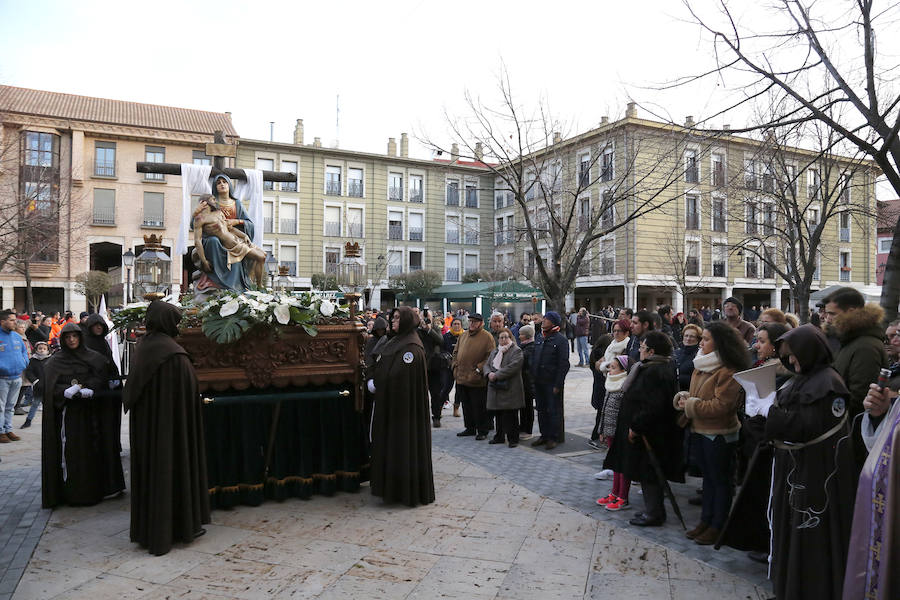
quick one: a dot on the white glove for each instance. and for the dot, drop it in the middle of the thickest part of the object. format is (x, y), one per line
(758, 406)
(114, 383)
(371, 385)
(87, 392)
(71, 391)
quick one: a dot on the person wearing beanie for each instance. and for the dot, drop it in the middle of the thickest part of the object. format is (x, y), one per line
(732, 309)
(549, 369)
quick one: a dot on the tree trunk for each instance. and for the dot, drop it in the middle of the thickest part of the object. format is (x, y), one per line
(29, 296)
(890, 289)
(801, 304)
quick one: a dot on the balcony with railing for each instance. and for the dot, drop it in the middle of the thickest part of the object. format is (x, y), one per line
(718, 222)
(452, 196)
(692, 220)
(268, 225)
(471, 198)
(355, 230)
(395, 231)
(499, 237)
(332, 268)
(470, 269)
(104, 168)
(452, 236)
(333, 188)
(355, 188)
(768, 271)
(415, 234)
(845, 273)
(584, 222)
(472, 238)
(153, 219)
(395, 193)
(692, 266)
(333, 228)
(104, 216)
(692, 174)
(607, 265)
(394, 270)
(451, 274)
(288, 225)
(154, 177)
(291, 265)
(584, 267)
(751, 271)
(415, 195)
(288, 186)
(718, 269)
(845, 234)
(718, 175)
(584, 177)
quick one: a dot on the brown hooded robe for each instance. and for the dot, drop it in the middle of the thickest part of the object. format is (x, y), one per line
(401, 431)
(169, 491)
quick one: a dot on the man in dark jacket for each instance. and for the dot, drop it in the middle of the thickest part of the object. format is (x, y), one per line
(549, 369)
(857, 326)
(641, 323)
(526, 416)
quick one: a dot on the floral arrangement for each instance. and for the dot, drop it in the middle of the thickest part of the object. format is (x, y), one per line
(226, 316)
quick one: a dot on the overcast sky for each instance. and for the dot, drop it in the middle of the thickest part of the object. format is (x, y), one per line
(397, 66)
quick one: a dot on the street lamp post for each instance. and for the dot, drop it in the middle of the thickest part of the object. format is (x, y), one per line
(271, 266)
(352, 275)
(152, 269)
(128, 261)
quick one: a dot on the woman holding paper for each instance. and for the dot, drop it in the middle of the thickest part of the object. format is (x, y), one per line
(711, 406)
(814, 478)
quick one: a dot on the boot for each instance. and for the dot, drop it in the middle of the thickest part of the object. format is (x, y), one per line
(26, 424)
(708, 537)
(693, 533)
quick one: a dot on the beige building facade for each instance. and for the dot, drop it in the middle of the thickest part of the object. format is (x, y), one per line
(105, 207)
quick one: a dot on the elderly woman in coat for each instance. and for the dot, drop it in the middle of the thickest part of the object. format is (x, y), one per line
(505, 394)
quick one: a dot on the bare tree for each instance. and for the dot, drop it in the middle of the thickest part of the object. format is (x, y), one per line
(823, 61)
(781, 226)
(549, 179)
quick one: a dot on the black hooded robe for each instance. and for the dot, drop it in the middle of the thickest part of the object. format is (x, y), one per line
(169, 490)
(401, 432)
(80, 463)
(112, 416)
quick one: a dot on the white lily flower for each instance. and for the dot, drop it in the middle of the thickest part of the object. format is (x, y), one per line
(326, 308)
(265, 298)
(283, 313)
(229, 308)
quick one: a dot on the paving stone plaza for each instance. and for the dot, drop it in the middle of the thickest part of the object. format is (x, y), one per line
(507, 523)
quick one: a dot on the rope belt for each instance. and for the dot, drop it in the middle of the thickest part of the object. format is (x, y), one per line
(789, 446)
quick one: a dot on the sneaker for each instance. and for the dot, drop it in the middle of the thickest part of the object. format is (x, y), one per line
(525, 436)
(446, 405)
(604, 474)
(619, 504)
(607, 499)
(594, 444)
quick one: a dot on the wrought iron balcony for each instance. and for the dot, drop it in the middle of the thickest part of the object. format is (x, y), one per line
(395, 232)
(288, 226)
(415, 234)
(452, 237)
(289, 186)
(104, 216)
(268, 225)
(291, 265)
(845, 234)
(472, 238)
(333, 188)
(333, 228)
(471, 199)
(452, 196)
(105, 168)
(692, 266)
(355, 188)
(692, 174)
(692, 220)
(394, 270)
(395, 193)
(718, 223)
(153, 220)
(452, 274)
(416, 196)
(355, 230)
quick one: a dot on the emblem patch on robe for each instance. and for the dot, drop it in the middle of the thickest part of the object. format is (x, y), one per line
(408, 357)
(838, 407)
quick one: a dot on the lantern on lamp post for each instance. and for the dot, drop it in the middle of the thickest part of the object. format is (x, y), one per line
(271, 267)
(352, 275)
(128, 262)
(153, 268)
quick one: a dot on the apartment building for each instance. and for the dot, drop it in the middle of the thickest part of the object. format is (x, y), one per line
(407, 214)
(718, 204)
(80, 154)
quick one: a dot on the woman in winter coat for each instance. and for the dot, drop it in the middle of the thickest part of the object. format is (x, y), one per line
(621, 331)
(449, 343)
(684, 356)
(748, 525)
(814, 477)
(711, 406)
(615, 380)
(505, 395)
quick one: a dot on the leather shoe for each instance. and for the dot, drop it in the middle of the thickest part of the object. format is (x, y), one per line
(12, 436)
(551, 444)
(645, 521)
(708, 537)
(538, 442)
(513, 444)
(4, 438)
(436, 423)
(495, 441)
(481, 436)
(693, 533)
(465, 432)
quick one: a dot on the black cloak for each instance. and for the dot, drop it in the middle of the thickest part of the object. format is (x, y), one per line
(98, 343)
(401, 432)
(813, 486)
(169, 490)
(80, 461)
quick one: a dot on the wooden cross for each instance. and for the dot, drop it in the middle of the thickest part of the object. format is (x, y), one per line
(219, 150)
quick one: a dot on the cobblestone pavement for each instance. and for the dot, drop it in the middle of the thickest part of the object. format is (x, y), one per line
(507, 523)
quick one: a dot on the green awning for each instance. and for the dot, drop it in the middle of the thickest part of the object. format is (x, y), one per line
(497, 291)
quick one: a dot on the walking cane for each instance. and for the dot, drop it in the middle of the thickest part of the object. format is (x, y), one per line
(662, 478)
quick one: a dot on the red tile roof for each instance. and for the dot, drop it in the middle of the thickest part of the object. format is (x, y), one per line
(119, 112)
(888, 211)
(465, 163)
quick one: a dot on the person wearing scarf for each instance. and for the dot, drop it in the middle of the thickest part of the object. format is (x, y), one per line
(447, 381)
(711, 406)
(505, 393)
(621, 331)
(647, 414)
(401, 433)
(169, 490)
(35, 373)
(80, 463)
(814, 476)
(609, 414)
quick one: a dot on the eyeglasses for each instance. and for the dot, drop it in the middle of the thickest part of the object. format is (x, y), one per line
(893, 335)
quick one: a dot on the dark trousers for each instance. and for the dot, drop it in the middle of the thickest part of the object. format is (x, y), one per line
(474, 405)
(547, 404)
(435, 387)
(526, 415)
(654, 507)
(716, 460)
(595, 432)
(507, 425)
(447, 382)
